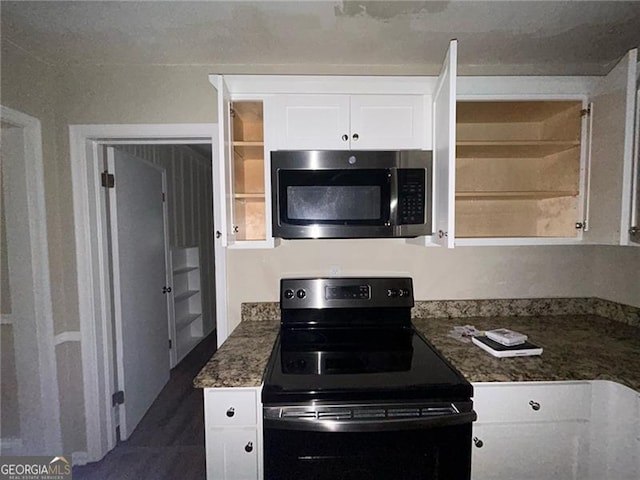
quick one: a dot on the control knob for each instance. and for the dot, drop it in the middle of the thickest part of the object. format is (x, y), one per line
(288, 294)
(392, 292)
(301, 293)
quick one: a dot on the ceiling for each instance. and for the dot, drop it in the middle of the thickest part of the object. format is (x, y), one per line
(348, 37)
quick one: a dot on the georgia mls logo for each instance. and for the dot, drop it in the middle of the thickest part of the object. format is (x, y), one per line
(34, 468)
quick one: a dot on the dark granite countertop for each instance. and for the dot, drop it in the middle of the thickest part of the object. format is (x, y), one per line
(576, 347)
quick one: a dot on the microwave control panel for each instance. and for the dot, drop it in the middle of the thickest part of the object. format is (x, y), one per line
(411, 186)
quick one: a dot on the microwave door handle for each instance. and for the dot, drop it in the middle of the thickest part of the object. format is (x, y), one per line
(393, 212)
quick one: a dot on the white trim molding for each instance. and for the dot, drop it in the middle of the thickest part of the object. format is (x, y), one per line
(40, 422)
(92, 264)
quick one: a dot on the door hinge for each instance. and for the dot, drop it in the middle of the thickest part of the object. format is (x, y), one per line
(170, 344)
(108, 179)
(634, 231)
(164, 197)
(232, 112)
(585, 111)
(117, 398)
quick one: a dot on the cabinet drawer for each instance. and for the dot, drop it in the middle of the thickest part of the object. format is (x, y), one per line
(532, 402)
(230, 407)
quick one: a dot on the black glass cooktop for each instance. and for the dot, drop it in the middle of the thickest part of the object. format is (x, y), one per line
(359, 364)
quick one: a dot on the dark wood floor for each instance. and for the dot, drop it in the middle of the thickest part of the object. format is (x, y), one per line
(168, 444)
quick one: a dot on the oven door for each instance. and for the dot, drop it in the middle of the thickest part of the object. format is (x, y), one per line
(334, 203)
(370, 443)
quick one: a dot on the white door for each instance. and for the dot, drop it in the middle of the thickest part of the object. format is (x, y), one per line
(444, 150)
(387, 122)
(313, 122)
(139, 276)
(611, 155)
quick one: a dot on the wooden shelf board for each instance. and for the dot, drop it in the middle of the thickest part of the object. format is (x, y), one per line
(187, 320)
(505, 149)
(511, 111)
(186, 269)
(247, 196)
(249, 150)
(532, 195)
(184, 295)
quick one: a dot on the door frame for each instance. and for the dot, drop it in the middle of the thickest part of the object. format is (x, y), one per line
(92, 262)
(42, 424)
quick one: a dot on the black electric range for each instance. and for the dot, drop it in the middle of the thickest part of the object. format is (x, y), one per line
(349, 370)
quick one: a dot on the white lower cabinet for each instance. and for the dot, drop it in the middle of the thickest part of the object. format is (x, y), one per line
(233, 433)
(556, 430)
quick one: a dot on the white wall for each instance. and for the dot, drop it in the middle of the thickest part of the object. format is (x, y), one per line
(616, 274)
(461, 273)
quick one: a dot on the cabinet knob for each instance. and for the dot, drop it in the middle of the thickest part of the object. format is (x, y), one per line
(345, 137)
(235, 229)
(355, 136)
(218, 233)
(166, 289)
(579, 225)
(477, 442)
(231, 412)
(534, 405)
(248, 447)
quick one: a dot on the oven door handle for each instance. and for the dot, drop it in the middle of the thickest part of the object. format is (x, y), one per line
(370, 425)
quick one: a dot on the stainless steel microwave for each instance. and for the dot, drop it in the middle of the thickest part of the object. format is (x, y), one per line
(351, 194)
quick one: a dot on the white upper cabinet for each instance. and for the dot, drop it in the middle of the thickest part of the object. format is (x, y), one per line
(241, 169)
(610, 173)
(351, 122)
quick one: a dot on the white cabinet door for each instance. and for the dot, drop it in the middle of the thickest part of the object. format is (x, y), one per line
(387, 122)
(313, 122)
(611, 155)
(547, 450)
(232, 454)
(615, 432)
(223, 165)
(356, 122)
(444, 150)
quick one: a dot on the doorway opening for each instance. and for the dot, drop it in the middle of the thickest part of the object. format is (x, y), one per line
(164, 172)
(30, 403)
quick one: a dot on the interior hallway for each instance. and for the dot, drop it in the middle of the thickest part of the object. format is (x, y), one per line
(168, 444)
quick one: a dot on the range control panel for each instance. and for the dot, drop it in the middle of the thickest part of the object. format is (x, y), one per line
(299, 293)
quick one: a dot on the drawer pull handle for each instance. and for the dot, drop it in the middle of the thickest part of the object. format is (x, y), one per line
(477, 442)
(248, 447)
(534, 405)
(231, 412)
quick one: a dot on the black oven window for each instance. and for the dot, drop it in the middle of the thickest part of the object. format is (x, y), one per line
(333, 202)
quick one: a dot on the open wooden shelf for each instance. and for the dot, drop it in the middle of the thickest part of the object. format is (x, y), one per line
(249, 150)
(512, 148)
(520, 195)
(249, 174)
(518, 169)
(248, 195)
